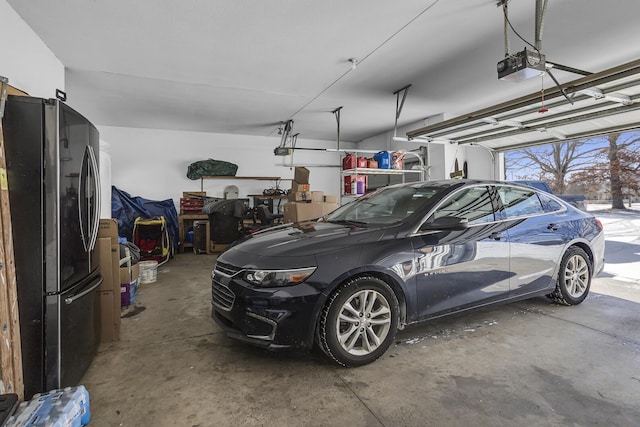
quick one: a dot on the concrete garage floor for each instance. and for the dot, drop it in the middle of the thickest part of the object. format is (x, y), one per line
(529, 363)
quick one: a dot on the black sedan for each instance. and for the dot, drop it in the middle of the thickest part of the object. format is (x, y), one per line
(400, 256)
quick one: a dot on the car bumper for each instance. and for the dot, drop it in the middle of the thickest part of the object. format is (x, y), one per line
(267, 317)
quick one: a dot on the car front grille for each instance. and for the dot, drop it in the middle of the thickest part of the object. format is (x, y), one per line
(222, 296)
(226, 269)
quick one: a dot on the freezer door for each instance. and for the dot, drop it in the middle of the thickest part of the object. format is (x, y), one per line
(72, 333)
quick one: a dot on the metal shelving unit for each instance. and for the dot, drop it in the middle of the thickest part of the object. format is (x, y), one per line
(371, 171)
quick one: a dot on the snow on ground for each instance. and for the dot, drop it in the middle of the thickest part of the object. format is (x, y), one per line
(622, 235)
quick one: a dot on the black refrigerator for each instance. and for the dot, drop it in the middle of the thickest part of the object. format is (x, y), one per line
(52, 170)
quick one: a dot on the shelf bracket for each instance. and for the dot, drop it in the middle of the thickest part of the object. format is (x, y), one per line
(336, 113)
(399, 105)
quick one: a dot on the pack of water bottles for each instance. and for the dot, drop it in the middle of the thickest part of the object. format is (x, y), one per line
(67, 407)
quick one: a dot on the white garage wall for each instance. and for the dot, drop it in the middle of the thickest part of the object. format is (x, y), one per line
(442, 155)
(26, 61)
(153, 163)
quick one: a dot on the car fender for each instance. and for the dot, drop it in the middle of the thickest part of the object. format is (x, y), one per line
(582, 243)
(400, 287)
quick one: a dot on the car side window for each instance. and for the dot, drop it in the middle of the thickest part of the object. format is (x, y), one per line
(519, 201)
(549, 204)
(472, 203)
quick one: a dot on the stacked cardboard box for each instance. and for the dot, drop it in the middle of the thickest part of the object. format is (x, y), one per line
(305, 204)
(109, 291)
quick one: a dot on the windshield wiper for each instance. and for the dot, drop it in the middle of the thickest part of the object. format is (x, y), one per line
(349, 222)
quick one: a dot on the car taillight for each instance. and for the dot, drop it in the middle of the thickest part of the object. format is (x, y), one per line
(599, 224)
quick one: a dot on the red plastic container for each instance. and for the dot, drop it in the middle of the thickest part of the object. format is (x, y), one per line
(362, 162)
(349, 161)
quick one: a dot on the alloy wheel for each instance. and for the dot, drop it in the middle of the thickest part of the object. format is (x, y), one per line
(576, 276)
(363, 322)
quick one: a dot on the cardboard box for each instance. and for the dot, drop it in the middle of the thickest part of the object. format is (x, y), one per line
(110, 321)
(15, 91)
(110, 270)
(317, 196)
(301, 175)
(297, 187)
(129, 274)
(108, 228)
(302, 211)
(330, 199)
(329, 207)
(109, 258)
(299, 196)
(108, 233)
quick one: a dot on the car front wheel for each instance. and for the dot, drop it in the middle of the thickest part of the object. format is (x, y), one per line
(574, 278)
(359, 321)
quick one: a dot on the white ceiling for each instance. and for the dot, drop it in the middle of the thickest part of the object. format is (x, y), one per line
(243, 66)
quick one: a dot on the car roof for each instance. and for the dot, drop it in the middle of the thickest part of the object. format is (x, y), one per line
(451, 183)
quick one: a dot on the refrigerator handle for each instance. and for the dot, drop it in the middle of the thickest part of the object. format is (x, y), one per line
(82, 185)
(70, 300)
(96, 211)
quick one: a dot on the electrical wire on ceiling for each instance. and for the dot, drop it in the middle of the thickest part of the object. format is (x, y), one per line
(360, 61)
(541, 8)
(538, 30)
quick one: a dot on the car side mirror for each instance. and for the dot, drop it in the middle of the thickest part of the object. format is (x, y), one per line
(446, 223)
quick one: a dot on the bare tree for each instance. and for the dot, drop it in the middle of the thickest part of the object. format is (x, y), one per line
(623, 149)
(554, 162)
(616, 165)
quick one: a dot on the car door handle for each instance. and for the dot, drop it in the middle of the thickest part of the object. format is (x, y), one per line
(496, 235)
(553, 227)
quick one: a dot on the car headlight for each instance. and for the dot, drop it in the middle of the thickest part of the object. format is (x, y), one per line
(270, 278)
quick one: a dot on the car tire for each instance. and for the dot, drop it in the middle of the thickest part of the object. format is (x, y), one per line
(574, 277)
(359, 321)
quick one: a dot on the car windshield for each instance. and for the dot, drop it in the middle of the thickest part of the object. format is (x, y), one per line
(389, 205)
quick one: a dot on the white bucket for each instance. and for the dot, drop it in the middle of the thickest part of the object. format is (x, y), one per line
(148, 271)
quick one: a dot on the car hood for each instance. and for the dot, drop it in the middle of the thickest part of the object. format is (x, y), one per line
(306, 239)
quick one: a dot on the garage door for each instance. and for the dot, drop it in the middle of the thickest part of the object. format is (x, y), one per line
(595, 105)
